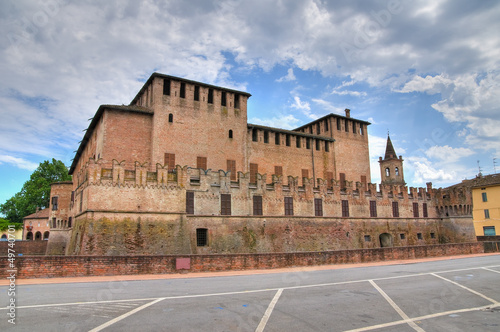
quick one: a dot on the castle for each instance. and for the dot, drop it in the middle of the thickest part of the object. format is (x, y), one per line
(180, 171)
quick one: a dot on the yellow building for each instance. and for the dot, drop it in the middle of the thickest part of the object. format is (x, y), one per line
(4, 235)
(486, 205)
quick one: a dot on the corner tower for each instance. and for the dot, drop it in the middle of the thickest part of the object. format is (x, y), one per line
(391, 167)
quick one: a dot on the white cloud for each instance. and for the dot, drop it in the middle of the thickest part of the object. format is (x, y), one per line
(18, 162)
(349, 93)
(326, 105)
(448, 154)
(288, 77)
(283, 121)
(424, 171)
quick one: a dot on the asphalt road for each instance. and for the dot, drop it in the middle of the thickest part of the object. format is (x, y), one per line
(451, 295)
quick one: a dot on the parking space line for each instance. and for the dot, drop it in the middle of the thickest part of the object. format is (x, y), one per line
(269, 311)
(466, 288)
(125, 315)
(485, 268)
(397, 308)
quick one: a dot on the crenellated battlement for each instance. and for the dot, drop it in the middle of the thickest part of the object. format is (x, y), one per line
(144, 175)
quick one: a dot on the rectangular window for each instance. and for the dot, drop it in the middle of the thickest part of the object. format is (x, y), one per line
(373, 209)
(277, 138)
(81, 201)
(318, 145)
(346, 125)
(288, 206)
(485, 197)
(257, 205)
(354, 127)
(419, 236)
(70, 219)
(72, 196)
(327, 146)
(236, 100)
(489, 231)
(197, 93)
(255, 135)
(231, 166)
(297, 141)
(266, 136)
(395, 209)
(424, 210)
(223, 99)
(254, 169)
(166, 87)
(201, 237)
(189, 202)
(486, 214)
(225, 204)
(361, 131)
(415, 210)
(345, 208)
(329, 178)
(287, 139)
(342, 181)
(201, 162)
(54, 203)
(182, 93)
(338, 124)
(305, 173)
(170, 161)
(308, 143)
(210, 96)
(318, 129)
(326, 124)
(368, 238)
(278, 170)
(318, 207)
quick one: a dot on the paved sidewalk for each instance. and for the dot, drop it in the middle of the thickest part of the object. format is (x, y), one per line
(228, 273)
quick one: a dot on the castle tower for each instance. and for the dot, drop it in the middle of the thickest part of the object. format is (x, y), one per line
(391, 167)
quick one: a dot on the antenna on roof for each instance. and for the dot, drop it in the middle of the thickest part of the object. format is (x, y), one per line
(495, 165)
(479, 167)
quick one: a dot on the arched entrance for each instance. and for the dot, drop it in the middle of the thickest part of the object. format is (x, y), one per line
(385, 240)
(38, 236)
(29, 236)
(46, 235)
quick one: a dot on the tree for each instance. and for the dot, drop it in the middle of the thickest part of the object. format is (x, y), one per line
(35, 192)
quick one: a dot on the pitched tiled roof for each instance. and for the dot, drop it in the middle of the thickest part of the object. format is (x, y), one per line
(486, 180)
(42, 214)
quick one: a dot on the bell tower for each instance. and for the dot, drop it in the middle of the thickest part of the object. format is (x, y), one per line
(391, 167)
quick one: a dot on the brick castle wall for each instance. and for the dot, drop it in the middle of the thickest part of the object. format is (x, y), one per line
(24, 247)
(77, 266)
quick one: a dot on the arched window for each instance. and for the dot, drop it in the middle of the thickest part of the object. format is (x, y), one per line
(170, 118)
(396, 171)
(230, 133)
(387, 172)
(4, 237)
(29, 236)
(46, 235)
(38, 236)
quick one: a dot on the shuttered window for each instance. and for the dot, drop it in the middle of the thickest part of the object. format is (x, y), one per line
(318, 207)
(345, 208)
(190, 202)
(257, 205)
(288, 206)
(225, 204)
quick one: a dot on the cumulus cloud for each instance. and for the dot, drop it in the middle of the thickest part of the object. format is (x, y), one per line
(283, 121)
(288, 77)
(447, 153)
(424, 171)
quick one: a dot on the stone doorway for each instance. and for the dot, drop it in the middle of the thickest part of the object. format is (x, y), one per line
(385, 240)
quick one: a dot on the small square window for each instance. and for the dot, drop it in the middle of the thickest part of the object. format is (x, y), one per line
(419, 236)
(368, 238)
(402, 236)
(433, 235)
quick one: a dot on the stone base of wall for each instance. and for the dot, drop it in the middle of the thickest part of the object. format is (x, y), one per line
(24, 247)
(77, 266)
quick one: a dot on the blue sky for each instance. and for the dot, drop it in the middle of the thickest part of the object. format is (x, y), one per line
(427, 71)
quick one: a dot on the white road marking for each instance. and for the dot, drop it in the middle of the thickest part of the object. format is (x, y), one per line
(397, 308)
(466, 288)
(269, 311)
(125, 315)
(247, 291)
(439, 314)
(485, 268)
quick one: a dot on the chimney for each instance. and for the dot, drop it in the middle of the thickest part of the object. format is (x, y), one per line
(347, 113)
